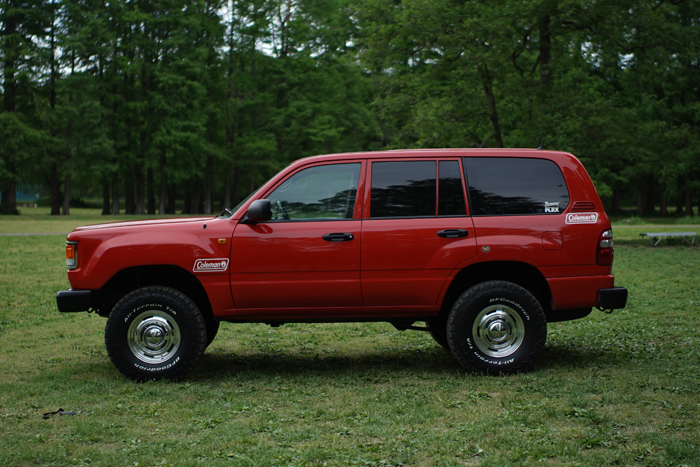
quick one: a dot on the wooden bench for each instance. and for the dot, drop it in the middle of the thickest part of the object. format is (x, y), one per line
(661, 235)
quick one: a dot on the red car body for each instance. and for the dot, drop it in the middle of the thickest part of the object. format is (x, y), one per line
(395, 269)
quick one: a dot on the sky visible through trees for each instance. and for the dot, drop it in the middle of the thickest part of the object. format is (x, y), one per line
(179, 105)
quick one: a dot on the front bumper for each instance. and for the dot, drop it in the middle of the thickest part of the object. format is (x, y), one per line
(70, 301)
(612, 299)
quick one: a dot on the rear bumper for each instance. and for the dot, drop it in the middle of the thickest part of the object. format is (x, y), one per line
(586, 291)
(612, 299)
(70, 301)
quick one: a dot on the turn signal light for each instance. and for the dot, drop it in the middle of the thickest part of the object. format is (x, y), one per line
(72, 255)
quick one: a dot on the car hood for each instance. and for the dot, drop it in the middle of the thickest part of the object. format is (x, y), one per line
(150, 222)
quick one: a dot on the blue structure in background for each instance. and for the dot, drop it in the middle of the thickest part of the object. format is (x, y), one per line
(27, 193)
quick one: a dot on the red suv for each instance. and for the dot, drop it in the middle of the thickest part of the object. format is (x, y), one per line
(484, 246)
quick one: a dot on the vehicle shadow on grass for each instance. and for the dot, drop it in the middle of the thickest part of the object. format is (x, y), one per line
(216, 366)
(220, 365)
(566, 357)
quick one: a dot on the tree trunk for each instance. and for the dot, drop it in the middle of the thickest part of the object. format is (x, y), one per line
(187, 202)
(150, 192)
(115, 194)
(227, 191)
(688, 197)
(105, 197)
(679, 198)
(645, 196)
(615, 202)
(55, 187)
(236, 189)
(129, 196)
(66, 195)
(545, 47)
(663, 210)
(140, 190)
(163, 187)
(9, 198)
(491, 99)
(207, 194)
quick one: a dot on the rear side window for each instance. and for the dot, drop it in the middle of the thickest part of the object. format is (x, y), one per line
(514, 186)
(403, 189)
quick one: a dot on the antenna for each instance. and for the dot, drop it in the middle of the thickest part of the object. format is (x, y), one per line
(541, 144)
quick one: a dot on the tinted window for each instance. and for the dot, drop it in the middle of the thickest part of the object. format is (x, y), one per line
(403, 189)
(502, 186)
(322, 192)
(451, 194)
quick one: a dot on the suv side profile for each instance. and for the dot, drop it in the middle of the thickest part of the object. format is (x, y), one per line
(485, 246)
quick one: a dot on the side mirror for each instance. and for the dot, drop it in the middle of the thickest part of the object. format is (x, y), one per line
(259, 211)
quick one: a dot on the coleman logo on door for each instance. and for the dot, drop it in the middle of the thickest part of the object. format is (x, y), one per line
(210, 265)
(583, 218)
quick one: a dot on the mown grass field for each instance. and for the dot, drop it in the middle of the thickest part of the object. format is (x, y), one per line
(619, 389)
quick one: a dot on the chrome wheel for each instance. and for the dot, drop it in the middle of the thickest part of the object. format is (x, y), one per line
(498, 331)
(154, 336)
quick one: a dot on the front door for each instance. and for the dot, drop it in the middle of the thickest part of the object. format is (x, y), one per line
(308, 254)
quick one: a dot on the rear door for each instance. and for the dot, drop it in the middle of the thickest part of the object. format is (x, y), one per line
(416, 230)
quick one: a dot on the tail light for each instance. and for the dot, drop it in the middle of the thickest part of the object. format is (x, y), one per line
(72, 255)
(605, 253)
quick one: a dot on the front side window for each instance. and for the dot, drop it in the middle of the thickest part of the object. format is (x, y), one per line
(403, 189)
(515, 186)
(323, 192)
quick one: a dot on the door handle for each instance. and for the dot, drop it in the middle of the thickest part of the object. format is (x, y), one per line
(453, 233)
(338, 237)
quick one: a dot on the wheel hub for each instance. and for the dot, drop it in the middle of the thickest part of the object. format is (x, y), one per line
(153, 337)
(498, 331)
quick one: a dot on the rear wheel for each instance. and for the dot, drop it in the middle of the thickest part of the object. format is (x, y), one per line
(155, 332)
(496, 327)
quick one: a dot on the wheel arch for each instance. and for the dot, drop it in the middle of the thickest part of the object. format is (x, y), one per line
(522, 274)
(133, 278)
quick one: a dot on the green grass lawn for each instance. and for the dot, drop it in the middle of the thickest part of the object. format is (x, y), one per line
(619, 389)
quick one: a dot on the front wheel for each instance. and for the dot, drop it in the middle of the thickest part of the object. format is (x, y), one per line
(496, 327)
(155, 332)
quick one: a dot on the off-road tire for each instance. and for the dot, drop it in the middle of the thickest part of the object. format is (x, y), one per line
(496, 327)
(155, 332)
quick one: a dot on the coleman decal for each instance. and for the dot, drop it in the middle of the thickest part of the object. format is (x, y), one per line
(582, 218)
(210, 265)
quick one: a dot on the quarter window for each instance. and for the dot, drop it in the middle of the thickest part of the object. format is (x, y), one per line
(451, 193)
(320, 193)
(515, 186)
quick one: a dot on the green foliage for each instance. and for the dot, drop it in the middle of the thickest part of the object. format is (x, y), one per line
(175, 100)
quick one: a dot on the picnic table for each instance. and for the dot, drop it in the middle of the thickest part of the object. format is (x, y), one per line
(658, 236)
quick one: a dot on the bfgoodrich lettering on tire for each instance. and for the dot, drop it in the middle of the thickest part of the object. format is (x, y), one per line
(496, 327)
(155, 332)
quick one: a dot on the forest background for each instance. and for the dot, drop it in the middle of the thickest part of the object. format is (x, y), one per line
(155, 106)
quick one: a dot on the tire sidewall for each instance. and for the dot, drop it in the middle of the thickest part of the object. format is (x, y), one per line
(135, 306)
(480, 297)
